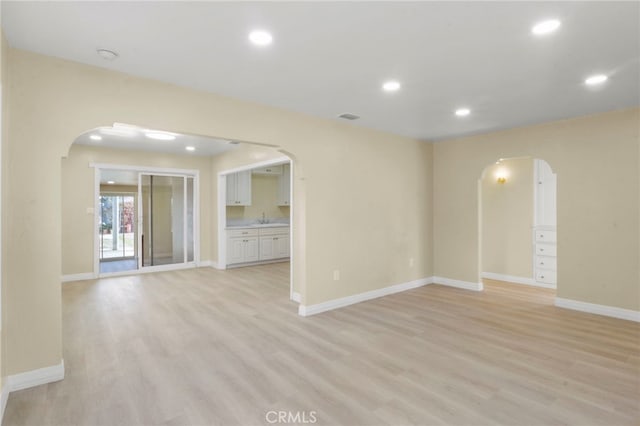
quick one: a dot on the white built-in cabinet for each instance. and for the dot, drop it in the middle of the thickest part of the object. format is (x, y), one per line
(544, 230)
(239, 189)
(274, 243)
(250, 245)
(242, 246)
(284, 186)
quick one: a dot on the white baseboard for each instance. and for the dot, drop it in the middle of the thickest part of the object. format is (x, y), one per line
(466, 285)
(295, 296)
(593, 308)
(306, 311)
(4, 398)
(204, 264)
(78, 277)
(37, 377)
(515, 280)
(215, 265)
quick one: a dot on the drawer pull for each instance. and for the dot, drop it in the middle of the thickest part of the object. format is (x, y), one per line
(542, 263)
(541, 249)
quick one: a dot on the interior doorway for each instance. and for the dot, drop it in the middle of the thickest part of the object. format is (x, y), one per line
(147, 219)
(255, 216)
(517, 221)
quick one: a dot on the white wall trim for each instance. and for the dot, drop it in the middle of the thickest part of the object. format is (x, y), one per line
(4, 399)
(295, 296)
(256, 165)
(466, 285)
(78, 277)
(593, 308)
(145, 169)
(37, 377)
(329, 305)
(515, 280)
(204, 264)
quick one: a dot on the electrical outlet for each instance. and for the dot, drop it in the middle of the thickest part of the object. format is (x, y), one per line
(336, 275)
(411, 261)
(90, 210)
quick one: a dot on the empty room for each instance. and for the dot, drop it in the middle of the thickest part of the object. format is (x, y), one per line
(334, 213)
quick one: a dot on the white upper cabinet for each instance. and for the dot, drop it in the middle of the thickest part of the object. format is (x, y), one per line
(284, 186)
(545, 194)
(239, 189)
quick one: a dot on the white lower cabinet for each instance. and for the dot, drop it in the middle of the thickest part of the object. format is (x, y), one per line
(282, 247)
(242, 246)
(274, 247)
(248, 245)
(242, 249)
(546, 262)
(267, 247)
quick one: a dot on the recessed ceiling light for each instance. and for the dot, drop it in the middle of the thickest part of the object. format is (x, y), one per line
(463, 112)
(107, 54)
(110, 182)
(95, 137)
(190, 148)
(391, 86)
(545, 27)
(161, 136)
(596, 79)
(260, 38)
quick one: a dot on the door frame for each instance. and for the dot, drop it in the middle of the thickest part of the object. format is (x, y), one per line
(134, 195)
(222, 215)
(157, 171)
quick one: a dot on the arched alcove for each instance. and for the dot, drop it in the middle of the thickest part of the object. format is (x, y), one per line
(517, 222)
(246, 154)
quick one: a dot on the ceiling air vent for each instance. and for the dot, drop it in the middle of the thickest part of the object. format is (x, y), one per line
(348, 116)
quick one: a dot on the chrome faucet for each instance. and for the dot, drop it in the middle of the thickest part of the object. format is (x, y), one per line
(263, 220)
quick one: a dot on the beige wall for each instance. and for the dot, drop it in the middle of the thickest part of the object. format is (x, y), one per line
(381, 181)
(77, 194)
(383, 185)
(264, 199)
(3, 181)
(596, 162)
(507, 219)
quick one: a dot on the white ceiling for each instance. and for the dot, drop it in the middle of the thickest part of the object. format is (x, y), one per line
(129, 137)
(329, 58)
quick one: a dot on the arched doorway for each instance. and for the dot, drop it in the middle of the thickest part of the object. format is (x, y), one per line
(517, 222)
(201, 211)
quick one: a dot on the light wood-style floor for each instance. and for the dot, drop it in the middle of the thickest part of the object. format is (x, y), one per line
(207, 347)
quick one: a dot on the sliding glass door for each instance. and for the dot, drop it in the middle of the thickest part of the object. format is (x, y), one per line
(166, 219)
(117, 227)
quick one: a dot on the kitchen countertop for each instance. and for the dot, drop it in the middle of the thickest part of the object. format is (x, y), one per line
(259, 225)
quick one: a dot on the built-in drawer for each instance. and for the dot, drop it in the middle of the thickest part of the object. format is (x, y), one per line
(548, 277)
(242, 232)
(546, 250)
(275, 231)
(546, 262)
(546, 236)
